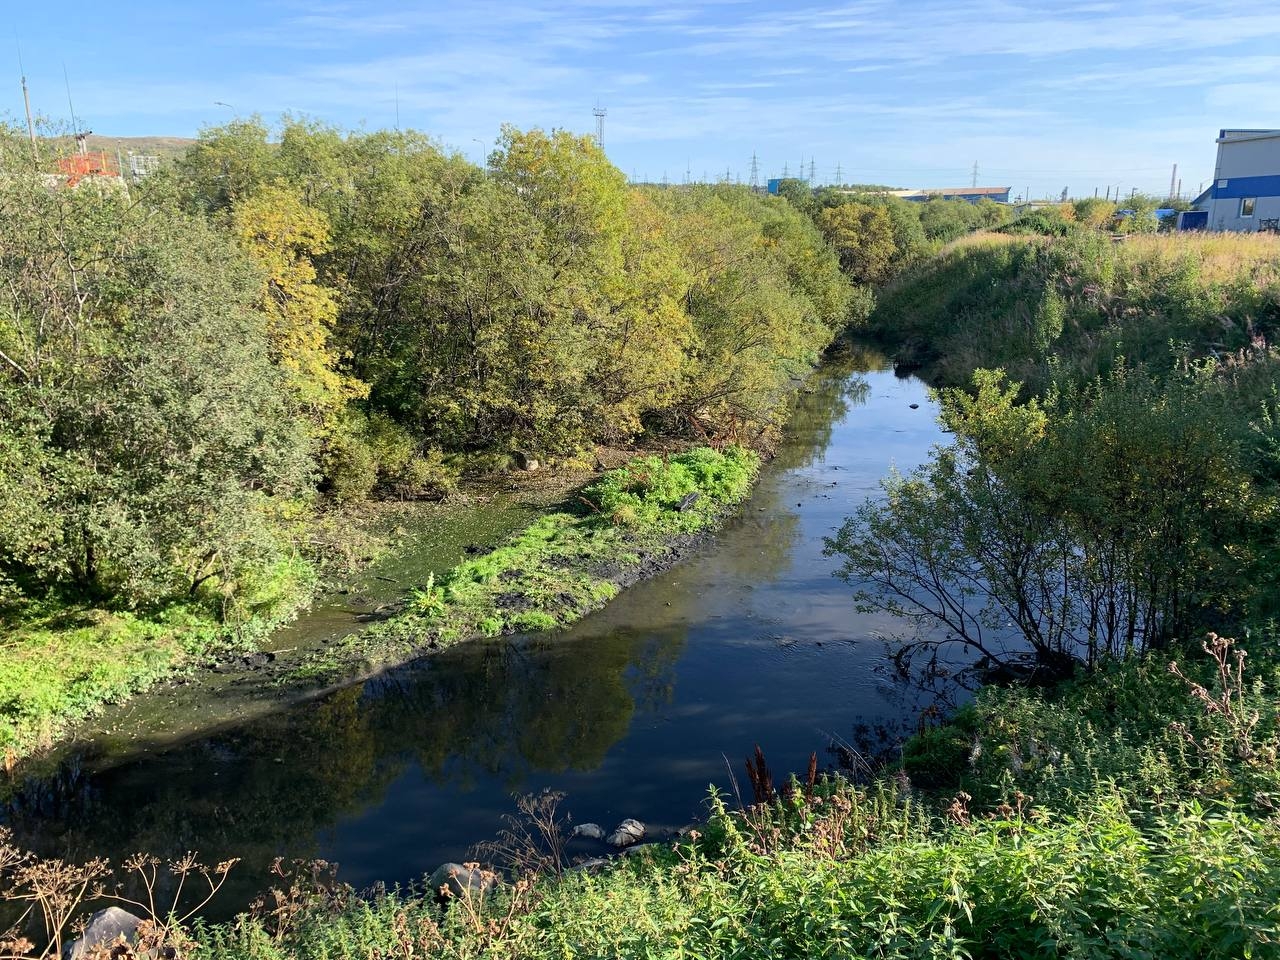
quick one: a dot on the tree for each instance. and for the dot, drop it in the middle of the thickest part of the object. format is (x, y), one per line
(862, 237)
(283, 236)
(1109, 521)
(144, 431)
(226, 163)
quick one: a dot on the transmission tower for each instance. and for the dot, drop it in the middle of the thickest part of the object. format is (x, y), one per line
(599, 112)
(812, 178)
(755, 171)
(839, 174)
(786, 171)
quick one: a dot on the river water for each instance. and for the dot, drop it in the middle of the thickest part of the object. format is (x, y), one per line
(634, 712)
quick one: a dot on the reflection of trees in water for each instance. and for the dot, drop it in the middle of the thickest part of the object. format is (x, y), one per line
(813, 416)
(507, 710)
(536, 705)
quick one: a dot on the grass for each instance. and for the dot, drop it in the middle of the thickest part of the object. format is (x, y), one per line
(559, 568)
(61, 664)
(60, 668)
(1153, 300)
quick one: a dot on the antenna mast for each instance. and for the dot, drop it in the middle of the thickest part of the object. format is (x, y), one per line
(599, 113)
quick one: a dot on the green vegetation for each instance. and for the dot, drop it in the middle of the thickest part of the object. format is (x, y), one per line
(561, 567)
(1112, 487)
(195, 373)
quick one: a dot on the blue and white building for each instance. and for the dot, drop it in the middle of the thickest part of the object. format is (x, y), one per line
(1245, 194)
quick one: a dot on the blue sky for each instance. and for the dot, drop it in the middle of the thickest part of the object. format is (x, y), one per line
(1040, 95)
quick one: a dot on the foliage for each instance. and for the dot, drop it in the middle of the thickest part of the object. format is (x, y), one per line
(1105, 521)
(283, 236)
(1050, 222)
(765, 298)
(563, 565)
(147, 436)
(863, 240)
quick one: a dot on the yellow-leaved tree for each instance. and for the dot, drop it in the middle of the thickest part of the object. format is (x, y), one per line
(282, 234)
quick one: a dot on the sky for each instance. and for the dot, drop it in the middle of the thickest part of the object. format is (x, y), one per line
(1042, 96)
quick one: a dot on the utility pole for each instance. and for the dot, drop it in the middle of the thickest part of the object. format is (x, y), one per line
(599, 112)
(31, 127)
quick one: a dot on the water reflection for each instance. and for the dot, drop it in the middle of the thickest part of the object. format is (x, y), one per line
(632, 712)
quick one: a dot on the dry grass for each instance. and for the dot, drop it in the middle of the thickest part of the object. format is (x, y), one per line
(1220, 257)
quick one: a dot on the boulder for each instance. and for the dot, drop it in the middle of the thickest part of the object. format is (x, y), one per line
(525, 461)
(592, 831)
(461, 878)
(629, 831)
(104, 928)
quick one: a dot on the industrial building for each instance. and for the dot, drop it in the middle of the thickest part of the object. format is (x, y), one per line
(1245, 194)
(970, 194)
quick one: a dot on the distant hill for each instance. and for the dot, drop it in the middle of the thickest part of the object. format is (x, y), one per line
(164, 147)
(161, 146)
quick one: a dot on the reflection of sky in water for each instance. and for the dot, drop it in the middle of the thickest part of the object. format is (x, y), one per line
(632, 712)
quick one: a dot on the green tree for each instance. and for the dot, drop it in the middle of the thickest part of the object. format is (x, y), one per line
(226, 163)
(147, 439)
(1106, 522)
(863, 240)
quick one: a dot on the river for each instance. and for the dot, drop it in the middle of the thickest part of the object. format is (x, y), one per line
(634, 712)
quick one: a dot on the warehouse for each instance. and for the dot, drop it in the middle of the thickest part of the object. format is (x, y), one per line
(1245, 194)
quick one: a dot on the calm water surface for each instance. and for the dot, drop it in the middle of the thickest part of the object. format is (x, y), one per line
(633, 712)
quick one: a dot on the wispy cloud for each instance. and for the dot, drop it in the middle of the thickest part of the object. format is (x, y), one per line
(1032, 89)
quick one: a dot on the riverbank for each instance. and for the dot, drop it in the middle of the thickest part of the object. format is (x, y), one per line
(1033, 838)
(65, 669)
(633, 522)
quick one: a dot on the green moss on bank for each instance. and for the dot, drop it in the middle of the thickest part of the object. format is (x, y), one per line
(60, 664)
(62, 667)
(562, 566)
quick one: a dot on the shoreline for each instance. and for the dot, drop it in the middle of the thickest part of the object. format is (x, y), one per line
(258, 681)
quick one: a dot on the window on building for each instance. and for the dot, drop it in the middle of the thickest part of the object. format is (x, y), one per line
(1246, 206)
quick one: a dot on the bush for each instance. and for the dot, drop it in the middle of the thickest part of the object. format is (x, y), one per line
(148, 449)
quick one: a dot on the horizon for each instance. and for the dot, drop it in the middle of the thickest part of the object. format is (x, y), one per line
(1104, 96)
